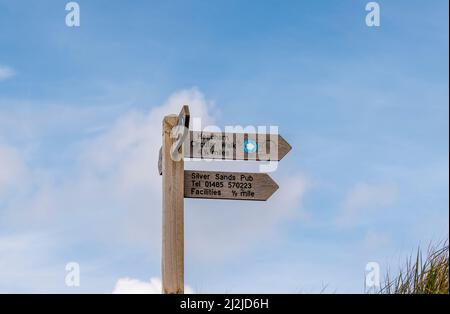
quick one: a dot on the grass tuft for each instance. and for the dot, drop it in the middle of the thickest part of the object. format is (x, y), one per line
(421, 275)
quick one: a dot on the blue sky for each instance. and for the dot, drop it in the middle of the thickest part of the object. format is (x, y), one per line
(365, 109)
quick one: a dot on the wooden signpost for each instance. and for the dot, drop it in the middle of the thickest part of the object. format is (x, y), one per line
(177, 183)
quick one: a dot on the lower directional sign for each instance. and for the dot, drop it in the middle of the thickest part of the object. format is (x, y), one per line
(228, 185)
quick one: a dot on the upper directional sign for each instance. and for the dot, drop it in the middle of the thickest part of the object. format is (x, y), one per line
(235, 146)
(228, 185)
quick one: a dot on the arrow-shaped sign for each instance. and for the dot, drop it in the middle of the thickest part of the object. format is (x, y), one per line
(235, 146)
(228, 185)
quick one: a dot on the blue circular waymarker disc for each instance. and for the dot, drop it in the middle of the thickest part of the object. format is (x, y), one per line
(250, 146)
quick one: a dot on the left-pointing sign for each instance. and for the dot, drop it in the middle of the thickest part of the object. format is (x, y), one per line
(228, 185)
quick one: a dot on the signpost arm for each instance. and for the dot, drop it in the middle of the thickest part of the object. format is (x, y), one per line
(172, 214)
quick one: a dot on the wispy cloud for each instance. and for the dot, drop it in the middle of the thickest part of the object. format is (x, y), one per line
(6, 72)
(113, 177)
(25, 264)
(12, 170)
(364, 198)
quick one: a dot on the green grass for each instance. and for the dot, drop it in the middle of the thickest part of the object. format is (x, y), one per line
(422, 274)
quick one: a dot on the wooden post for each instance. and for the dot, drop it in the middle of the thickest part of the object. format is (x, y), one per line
(172, 214)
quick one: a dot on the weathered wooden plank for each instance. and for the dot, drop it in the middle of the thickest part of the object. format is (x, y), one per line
(235, 146)
(228, 185)
(173, 214)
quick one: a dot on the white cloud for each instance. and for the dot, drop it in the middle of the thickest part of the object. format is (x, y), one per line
(6, 72)
(112, 194)
(135, 286)
(364, 195)
(363, 199)
(117, 173)
(13, 170)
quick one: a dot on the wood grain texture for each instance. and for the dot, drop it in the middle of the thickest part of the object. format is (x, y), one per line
(172, 215)
(228, 185)
(230, 146)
